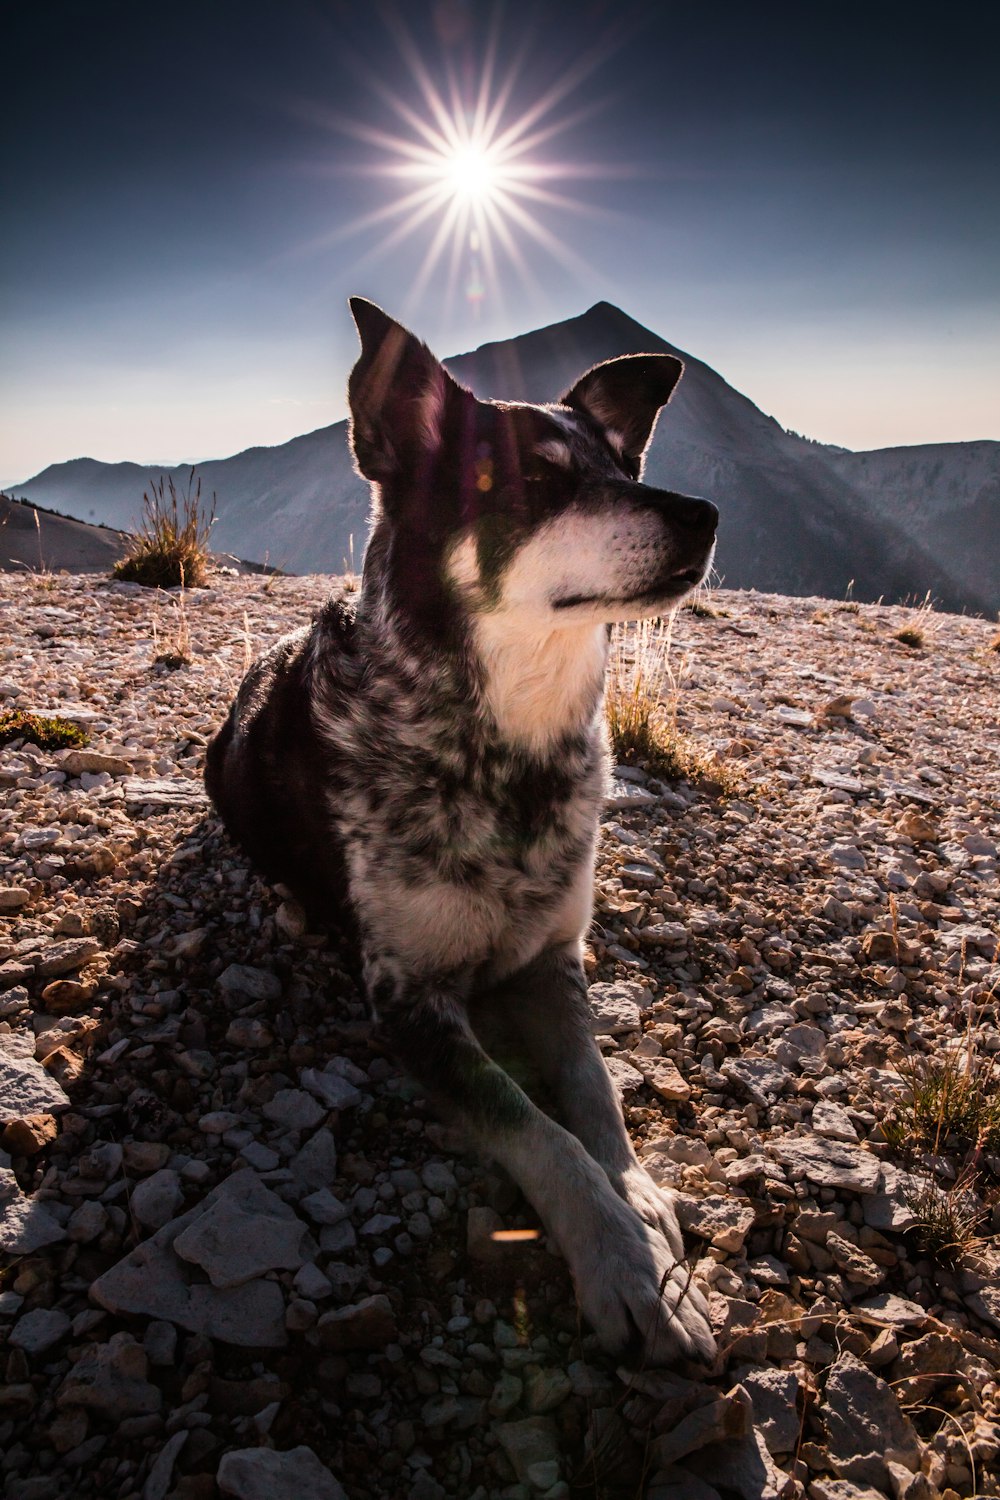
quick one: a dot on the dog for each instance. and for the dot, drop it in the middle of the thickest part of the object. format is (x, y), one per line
(432, 764)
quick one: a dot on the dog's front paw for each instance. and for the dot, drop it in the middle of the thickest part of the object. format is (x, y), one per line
(653, 1204)
(636, 1294)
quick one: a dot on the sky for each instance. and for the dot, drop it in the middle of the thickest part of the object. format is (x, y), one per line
(803, 195)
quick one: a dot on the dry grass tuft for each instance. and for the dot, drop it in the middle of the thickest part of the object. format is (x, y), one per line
(910, 635)
(949, 1121)
(952, 1103)
(177, 649)
(918, 631)
(350, 581)
(170, 545)
(641, 709)
(46, 733)
(948, 1219)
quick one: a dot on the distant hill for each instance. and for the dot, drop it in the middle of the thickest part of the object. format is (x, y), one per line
(797, 517)
(33, 540)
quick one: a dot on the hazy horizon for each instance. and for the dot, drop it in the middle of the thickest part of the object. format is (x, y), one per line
(805, 201)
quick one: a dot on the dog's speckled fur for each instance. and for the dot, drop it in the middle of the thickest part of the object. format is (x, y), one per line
(433, 767)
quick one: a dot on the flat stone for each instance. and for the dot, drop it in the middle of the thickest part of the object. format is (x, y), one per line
(858, 1268)
(29, 1136)
(625, 1078)
(368, 1324)
(842, 1489)
(545, 1390)
(886, 1310)
(63, 958)
(986, 1304)
(533, 1448)
(76, 762)
(293, 1109)
(110, 1380)
(621, 795)
(39, 1330)
(154, 1282)
(865, 1426)
(615, 1007)
(156, 1199)
(26, 1088)
(773, 1396)
(250, 983)
(236, 1241)
(163, 792)
(264, 1474)
(848, 856)
(12, 898)
(334, 1091)
(663, 1078)
(161, 1471)
(833, 1122)
(761, 1078)
(25, 1225)
(742, 1467)
(724, 1222)
(315, 1164)
(717, 1421)
(323, 1208)
(832, 1164)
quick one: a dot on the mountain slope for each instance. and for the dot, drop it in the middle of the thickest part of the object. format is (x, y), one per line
(796, 517)
(33, 541)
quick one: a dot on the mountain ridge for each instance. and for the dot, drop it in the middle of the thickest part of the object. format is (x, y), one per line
(798, 517)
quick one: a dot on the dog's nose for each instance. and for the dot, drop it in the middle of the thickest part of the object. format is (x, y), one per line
(699, 516)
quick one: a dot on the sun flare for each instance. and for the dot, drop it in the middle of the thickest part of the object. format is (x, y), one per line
(472, 173)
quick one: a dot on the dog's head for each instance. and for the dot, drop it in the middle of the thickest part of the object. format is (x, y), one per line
(511, 507)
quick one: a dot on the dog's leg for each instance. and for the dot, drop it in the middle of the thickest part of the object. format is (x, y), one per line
(630, 1284)
(547, 1002)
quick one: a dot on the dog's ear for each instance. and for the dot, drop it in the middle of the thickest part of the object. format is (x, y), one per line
(397, 394)
(625, 395)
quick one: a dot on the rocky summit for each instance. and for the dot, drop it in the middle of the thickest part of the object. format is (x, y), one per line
(242, 1256)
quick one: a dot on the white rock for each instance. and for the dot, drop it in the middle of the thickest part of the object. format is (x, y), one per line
(25, 1087)
(724, 1222)
(25, 1226)
(828, 1163)
(833, 1122)
(615, 1008)
(253, 984)
(39, 1330)
(156, 1199)
(335, 1092)
(234, 1243)
(264, 1474)
(294, 1109)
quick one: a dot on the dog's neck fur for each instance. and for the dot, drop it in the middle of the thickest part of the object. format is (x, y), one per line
(537, 688)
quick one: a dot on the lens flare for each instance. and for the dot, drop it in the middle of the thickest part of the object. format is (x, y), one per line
(472, 172)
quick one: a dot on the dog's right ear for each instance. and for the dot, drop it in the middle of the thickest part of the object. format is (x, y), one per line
(397, 394)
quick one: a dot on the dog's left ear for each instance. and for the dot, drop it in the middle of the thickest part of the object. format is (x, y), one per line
(397, 394)
(625, 395)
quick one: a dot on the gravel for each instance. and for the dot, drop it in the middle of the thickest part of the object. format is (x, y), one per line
(245, 1258)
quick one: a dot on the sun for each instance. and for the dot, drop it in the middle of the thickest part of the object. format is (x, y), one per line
(471, 174)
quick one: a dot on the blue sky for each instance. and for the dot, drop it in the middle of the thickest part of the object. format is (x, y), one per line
(803, 196)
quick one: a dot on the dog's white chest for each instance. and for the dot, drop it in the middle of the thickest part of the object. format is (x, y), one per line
(491, 905)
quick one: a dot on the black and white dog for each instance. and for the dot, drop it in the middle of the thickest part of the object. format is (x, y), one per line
(434, 762)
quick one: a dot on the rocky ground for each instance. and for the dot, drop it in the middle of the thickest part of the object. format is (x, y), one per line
(243, 1259)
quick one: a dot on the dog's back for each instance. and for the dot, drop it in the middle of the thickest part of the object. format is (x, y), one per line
(266, 770)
